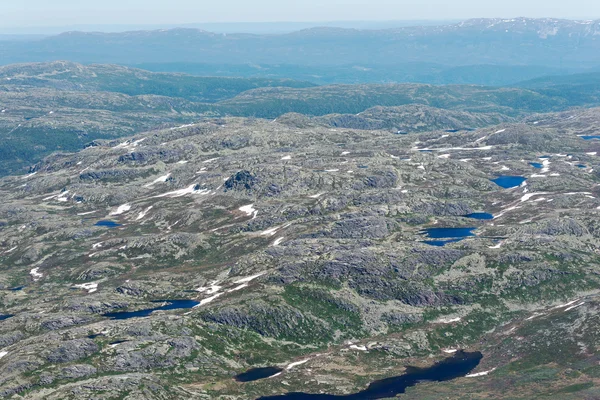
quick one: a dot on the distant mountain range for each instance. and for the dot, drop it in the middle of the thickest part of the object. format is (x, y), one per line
(336, 55)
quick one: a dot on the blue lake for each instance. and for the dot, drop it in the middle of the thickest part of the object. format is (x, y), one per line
(107, 223)
(581, 166)
(590, 137)
(444, 236)
(536, 165)
(508, 182)
(451, 368)
(171, 305)
(257, 373)
(481, 216)
(446, 233)
(3, 317)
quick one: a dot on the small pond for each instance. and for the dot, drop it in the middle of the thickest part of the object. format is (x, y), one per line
(107, 223)
(507, 181)
(443, 236)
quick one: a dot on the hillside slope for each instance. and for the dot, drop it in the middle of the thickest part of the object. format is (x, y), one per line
(338, 256)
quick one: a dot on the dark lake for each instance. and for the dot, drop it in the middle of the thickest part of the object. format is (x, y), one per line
(590, 137)
(536, 165)
(3, 317)
(481, 216)
(107, 223)
(447, 235)
(581, 166)
(171, 305)
(508, 182)
(255, 374)
(451, 368)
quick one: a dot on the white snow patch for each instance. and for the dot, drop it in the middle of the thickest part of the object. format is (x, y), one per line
(121, 209)
(29, 176)
(159, 180)
(97, 245)
(10, 250)
(359, 348)
(530, 195)
(444, 156)
(88, 213)
(90, 287)
(575, 306)
(211, 288)
(270, 232)
(448, 321)
(331, 170)
(484, 373)
(250, 278)
(297, 363)
(316, 196)
(3, 353)
(36, 274)
(240, 287)
(208, 300)
(182, 192)
(499, 245)
(565, 305)
(593, 153)
(249, 210)
(211, 160)
(344, 153)
(278, 241)
(182, 126)
(501, 130)
(286, 158)
(449, 351)
(182, 162)
(142, 214)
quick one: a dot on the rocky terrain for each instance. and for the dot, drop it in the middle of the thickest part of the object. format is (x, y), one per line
(63, 106)
(305, 245)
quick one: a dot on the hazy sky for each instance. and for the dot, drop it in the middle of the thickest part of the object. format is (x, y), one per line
(20, 13)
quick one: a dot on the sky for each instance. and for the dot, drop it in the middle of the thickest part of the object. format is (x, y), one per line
(44, 13)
